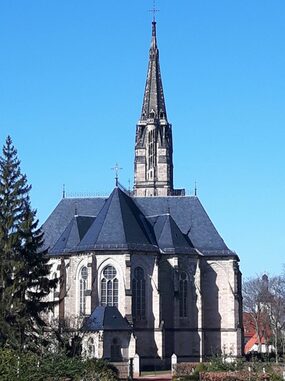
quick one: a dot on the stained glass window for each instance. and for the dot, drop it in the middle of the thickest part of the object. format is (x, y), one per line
(82, 289)
(109, 287)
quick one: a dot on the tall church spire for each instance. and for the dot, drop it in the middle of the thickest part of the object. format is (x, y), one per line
(153, 149)
(153, 102)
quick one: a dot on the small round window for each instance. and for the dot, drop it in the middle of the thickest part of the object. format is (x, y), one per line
(109, 272)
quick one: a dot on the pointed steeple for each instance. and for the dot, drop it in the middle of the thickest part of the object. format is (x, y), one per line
(153, 101)
(153, 150)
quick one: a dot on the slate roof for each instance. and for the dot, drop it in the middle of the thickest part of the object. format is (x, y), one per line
(169, 237)
(191, 218)
(73, 234)
(106, 318)
(137, 223)
(119, 225)
(61, 216)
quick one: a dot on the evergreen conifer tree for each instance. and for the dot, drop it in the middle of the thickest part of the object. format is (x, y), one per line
(24, 268)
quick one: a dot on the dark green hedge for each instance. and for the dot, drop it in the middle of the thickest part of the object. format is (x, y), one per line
(52, 367)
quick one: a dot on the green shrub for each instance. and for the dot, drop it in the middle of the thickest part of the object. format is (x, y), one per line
(275, 377)
(54, 366)
(28, 366)
(99, 370)
(200, 367)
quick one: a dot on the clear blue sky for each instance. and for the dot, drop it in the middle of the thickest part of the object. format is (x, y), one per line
(72, 76)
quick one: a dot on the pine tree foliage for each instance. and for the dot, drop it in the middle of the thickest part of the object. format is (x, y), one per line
(24, 268)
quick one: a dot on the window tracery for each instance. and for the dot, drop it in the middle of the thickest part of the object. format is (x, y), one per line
(109, 287)
(82, 288)
(139, 294)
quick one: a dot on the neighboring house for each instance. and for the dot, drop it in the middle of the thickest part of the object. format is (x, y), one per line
(257, 328)
(147, 269)
(254, 341)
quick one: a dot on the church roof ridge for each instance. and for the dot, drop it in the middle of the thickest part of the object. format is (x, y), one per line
(83, 215)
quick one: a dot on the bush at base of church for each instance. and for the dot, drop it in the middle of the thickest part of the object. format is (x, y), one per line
(100, 370)
(15, 366)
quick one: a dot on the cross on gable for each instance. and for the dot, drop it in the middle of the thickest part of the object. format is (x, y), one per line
(116, 168)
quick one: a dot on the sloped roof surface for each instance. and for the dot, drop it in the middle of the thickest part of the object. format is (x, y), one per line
(168, 235)
(190, 217)
(61, 216)
(73, 234)
(124, 221)
(119, 224)
(106, 318)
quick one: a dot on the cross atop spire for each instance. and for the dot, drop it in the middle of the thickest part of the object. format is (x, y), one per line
(154, 10)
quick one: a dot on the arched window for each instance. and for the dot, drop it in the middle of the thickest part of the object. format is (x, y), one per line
(139, 294)
(82, 288)
(109, 287)
(183, 295)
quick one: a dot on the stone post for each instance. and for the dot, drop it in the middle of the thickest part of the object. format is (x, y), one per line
(132, 346)
(136, 366)
(173, 364)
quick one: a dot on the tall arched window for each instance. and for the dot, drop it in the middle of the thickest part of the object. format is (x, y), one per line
(183, 295)
(139, 294)
(82, 288)
(109, 287)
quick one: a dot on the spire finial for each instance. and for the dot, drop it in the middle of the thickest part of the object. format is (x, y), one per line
(154, 10)
(195, 189)
(63, 190)
(116, 169)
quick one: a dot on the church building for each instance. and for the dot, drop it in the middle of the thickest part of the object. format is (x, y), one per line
(146, 271)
